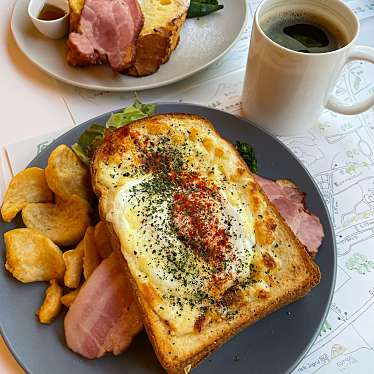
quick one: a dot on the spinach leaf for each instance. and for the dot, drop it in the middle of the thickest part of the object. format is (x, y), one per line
(248, 154)
(201, 8)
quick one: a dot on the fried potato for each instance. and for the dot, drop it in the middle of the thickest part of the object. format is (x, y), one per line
(66, 175)
(28, 186)
(69, 298)
(51, 306)
(74, 265)
(102, 240)
(64, 222)
(91, 258)
(31, 256)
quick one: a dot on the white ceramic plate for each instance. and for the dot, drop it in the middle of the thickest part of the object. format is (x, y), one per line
(203, 41)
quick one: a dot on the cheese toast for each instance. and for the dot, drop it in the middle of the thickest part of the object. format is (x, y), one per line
(163, 21)
(206, 251)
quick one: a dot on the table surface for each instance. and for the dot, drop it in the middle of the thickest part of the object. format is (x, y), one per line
(43, 108)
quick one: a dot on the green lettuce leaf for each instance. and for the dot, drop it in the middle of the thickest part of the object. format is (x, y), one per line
(91, 138)
(248, 154)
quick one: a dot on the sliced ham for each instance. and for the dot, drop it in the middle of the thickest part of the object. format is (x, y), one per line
(108, 31)
(104, 317)
(289, 201)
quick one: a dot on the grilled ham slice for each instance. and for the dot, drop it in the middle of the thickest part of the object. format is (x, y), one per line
(107, 32)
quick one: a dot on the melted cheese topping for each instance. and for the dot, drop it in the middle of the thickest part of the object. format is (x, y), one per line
(184, 222)
(160, 13)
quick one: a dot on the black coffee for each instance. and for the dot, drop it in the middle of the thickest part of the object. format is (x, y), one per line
(303, 32)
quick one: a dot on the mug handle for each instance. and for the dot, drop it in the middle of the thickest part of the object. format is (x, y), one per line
(362, 53)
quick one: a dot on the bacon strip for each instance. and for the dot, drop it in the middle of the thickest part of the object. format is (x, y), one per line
(104, 317)
(289, 201)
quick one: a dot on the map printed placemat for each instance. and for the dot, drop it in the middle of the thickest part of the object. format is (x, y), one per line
(338, 152)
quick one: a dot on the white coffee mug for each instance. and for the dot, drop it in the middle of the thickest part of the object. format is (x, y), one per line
(284, 90)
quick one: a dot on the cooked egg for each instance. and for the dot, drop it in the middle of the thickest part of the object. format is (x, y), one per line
(186, 229)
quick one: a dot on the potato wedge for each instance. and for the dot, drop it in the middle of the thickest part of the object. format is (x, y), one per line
(91, 259)
(66, 175)
(51, 306)
(69, 298)
(102, 240)
(74, 265)
(31, 256)
(28, 186)
(64, 222)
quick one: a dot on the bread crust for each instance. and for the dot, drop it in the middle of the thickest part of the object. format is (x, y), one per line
(76, 7)
(297, 276)
(154, 49)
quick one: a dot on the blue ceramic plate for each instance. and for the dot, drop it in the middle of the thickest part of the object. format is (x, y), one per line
(273, 345)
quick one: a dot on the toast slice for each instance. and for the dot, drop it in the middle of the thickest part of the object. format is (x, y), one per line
(205, 250)
(76, 8)
(163, 21)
